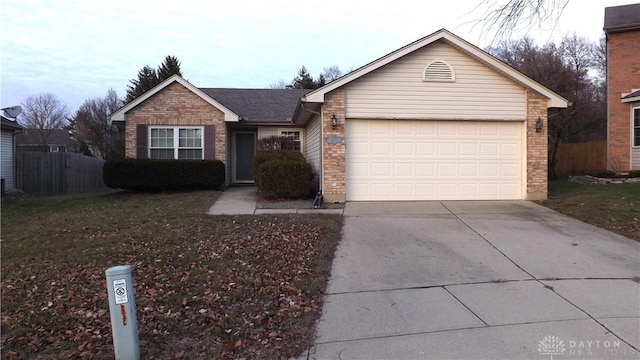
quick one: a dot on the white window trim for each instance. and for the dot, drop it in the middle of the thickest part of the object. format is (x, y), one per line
(633, 128)
(176, 138)
(300, 130)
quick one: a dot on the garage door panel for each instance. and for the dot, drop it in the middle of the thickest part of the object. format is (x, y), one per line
(510, 150)
(489, 170)
(447, 149)
(510, 170)
(425, 169)
(403, 149)
(446, 170)
(425, 148)
(429, 160)
(380, 128)
(469, 149)
(403, 169)
(381, 169)
(468, 170)
(381, 148)
(425, 128)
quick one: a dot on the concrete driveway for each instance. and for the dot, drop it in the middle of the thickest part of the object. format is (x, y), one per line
(478, 280)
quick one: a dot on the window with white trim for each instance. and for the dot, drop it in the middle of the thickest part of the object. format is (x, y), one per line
(293, 140)
(175, 142)
(636, 126)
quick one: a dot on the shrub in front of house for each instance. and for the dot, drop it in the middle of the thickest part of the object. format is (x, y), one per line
(282, 174)
(163, 175)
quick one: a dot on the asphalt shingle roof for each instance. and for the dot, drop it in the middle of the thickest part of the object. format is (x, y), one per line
(623, 17)
(7, 123)
(34, 137)
(632, 95)
(259, 105)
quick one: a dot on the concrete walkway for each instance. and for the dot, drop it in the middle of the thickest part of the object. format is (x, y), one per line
(242, 200)
(478, 280)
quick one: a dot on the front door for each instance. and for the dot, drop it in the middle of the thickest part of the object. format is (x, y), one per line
(244, 149)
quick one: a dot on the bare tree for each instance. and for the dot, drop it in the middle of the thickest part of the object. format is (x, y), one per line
(93, 126)
(566, 70)
(331, 73)
(507, 17)
(600, 57)
(280, 84)
(44, 112)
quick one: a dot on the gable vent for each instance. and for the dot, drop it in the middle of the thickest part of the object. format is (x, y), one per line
(439, 71)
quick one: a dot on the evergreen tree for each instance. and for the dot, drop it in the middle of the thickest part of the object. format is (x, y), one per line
(149, 77)
(303, 80)
(170, 66)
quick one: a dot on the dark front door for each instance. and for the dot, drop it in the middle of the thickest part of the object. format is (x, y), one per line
(244, 150)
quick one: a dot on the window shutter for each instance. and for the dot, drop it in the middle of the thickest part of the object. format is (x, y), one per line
(142, 141)
(209, 142)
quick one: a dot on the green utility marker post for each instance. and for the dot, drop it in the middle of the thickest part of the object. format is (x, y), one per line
(122, 307)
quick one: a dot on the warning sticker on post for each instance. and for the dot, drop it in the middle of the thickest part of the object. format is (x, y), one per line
(120, 291)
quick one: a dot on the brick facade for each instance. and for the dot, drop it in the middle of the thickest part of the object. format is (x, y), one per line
(537, 147)
(176, 105)
(623, 74)
(333, 154)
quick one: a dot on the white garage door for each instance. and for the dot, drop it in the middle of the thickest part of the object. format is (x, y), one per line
(434, 160)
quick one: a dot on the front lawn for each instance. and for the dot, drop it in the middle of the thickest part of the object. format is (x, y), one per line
(205, 286)
(615, 207)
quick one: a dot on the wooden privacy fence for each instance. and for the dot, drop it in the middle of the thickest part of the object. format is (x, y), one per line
(581, 158)
(58, 173)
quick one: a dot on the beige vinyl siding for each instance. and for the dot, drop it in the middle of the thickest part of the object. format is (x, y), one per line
(6, 167)
(312, 144)
(635, 158)
(397, 91)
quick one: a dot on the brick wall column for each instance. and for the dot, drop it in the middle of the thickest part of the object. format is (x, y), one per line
(333, 153)
(537, 147)
(623, 75)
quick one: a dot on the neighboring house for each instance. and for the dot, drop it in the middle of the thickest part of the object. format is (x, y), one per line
(44, 140)
(622, 29)
(8, 152)
(436, 119)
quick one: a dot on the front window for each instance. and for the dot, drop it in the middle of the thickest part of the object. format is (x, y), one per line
(176, 143)
(293, 140)
(636, 127)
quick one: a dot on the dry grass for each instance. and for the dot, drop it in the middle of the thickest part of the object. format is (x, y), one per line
(205, 287)
(615, 207)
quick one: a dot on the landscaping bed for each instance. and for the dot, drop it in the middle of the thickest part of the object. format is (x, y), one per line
(205, 286)
(294, 204)
(613, 206)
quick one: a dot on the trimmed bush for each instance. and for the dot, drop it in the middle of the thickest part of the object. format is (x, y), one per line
(282, 174)
(269, 155)
(283, 179)
(161, 175)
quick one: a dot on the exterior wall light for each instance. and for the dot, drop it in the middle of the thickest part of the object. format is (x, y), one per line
(334, 121)
(539, 125)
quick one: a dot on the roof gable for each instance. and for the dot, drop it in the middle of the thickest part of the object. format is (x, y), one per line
(229, 115)
(555, 100)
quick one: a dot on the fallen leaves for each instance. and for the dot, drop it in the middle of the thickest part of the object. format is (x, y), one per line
(205, 287)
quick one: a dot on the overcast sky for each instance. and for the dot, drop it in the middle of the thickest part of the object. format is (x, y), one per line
(78, 49)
